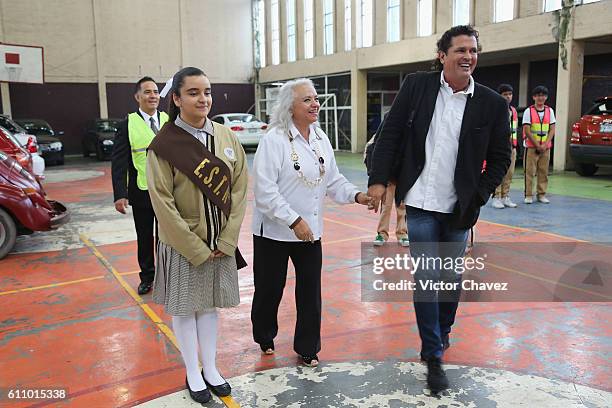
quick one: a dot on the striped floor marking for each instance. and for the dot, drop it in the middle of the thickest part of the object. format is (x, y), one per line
(228, 401)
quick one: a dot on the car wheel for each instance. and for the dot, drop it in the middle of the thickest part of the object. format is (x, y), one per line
(8, 233)
(99, 154)
(60, 162)
(586, 169)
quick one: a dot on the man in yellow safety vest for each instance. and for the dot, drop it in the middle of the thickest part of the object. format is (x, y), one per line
(501, 199)
(129, 173)
(538, 132)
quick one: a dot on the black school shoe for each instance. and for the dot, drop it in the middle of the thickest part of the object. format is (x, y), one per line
(222, 390)
(201, 397)
(144, 288)
(436, 377)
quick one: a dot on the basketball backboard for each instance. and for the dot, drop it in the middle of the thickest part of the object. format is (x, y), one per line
(21, 63)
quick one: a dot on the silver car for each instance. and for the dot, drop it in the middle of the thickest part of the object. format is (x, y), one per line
(247, 127)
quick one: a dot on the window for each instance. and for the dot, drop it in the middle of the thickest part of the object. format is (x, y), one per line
(348, 18)
(260, 33)
(308, 29)
(290, 30)
(393, 20)
(461, 12)
(328, 26)
(551, 5)
(364, 23)
(275, 32)
(503, 10)
(425, 18)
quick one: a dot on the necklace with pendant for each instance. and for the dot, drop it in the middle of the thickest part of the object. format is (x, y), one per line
(296, 164)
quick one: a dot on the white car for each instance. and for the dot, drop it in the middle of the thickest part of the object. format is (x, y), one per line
(247, 127)
(30, 143)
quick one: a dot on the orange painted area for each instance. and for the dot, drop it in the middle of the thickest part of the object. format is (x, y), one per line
(93, 338)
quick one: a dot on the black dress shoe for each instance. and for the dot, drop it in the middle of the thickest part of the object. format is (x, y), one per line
(201, 397)
(267, 348)
(144, 288)
(222, 390)
(436, 377)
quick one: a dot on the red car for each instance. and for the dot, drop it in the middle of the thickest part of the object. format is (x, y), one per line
(9, 145)
(23, 206)
(591, 141)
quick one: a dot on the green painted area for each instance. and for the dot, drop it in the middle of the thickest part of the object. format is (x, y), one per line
(567, 183)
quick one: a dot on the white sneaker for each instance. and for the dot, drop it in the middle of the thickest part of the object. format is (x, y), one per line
(508, 202)
(497, 203)
(543, 200)
(528, 200)
(403, 242)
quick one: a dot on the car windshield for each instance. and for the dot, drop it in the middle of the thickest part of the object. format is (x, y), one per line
(37, 128)
(11, 125)
(604, 108)
(241, 118)
(107, 126)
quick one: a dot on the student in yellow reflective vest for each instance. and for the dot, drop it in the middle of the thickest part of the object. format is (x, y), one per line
(129, 160)
(501, 199)
(538, 132)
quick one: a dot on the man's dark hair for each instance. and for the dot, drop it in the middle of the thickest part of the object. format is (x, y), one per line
(540, 89)
(504, 88)
(446, 40)
(141, 81)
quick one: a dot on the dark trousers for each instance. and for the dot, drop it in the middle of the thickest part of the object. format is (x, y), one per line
(270, 260)
(431, 235)
(144, 220)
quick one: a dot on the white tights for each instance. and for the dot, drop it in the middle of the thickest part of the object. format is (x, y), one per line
(199, 329)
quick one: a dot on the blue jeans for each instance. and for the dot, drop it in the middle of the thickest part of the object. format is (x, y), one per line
(432, 236)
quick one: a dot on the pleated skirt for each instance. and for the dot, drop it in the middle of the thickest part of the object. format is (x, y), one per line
(184, 289)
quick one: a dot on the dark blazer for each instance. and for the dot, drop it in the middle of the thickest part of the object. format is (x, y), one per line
(123, 171)
(484, 135)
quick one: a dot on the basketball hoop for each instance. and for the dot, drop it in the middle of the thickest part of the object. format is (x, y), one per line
(13, 72)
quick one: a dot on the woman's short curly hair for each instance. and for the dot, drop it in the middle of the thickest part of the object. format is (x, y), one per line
(281, 112)
(446, 40)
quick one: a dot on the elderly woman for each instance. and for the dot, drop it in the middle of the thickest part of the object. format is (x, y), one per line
(197, 177)
(294, 169)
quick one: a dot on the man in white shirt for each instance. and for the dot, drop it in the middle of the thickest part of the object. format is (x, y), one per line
(128, 173)
(538, 132)
(442, 127)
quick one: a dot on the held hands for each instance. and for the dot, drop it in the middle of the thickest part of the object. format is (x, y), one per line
(376, 193)
(216, 254)
(303, 232)
(364, 199)
(121, 205)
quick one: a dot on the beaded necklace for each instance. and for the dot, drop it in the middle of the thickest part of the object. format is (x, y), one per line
(296, 163)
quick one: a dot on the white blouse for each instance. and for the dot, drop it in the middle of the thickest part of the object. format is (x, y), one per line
(281, 196)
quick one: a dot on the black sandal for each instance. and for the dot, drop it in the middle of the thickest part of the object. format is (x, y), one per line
(310, 361)
(267, 348)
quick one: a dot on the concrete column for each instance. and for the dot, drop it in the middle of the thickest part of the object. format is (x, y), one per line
(299, 29)
(282, 5)
(268, 40)
(524, 98)
(354, 20)
(318, 28)
(6, 98)
(569, 98)
(409, 14)
(100, 59)
(443, 12)
(483, 13)
(359, 108)
(380, 21)
(339, 25)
